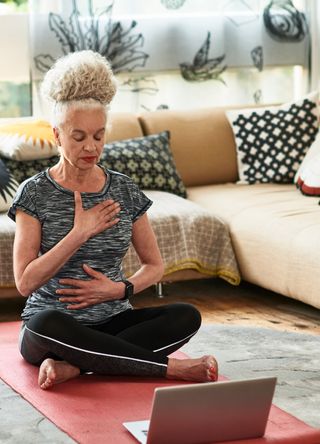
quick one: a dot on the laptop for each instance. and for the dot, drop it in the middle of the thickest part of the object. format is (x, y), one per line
(207, 412)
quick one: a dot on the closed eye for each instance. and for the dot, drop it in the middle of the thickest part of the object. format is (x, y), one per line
(78, 136)
(99, 135)
(78, 139)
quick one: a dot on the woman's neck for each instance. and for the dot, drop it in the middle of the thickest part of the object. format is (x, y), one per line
(76, 179)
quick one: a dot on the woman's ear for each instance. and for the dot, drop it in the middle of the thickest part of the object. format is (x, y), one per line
(56, 135)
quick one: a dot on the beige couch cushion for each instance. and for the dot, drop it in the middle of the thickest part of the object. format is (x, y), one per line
(123, 126)
(275, 234)
(202, 143)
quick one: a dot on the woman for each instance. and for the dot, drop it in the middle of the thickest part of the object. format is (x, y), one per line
(75, 222)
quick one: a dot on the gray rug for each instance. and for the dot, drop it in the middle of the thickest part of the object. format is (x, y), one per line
(248, 352)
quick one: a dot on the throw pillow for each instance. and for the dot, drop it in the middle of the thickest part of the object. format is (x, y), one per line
(147, 160)
(271, 142)
(311, 153)
(26, 140)
(307, 177)
(8, 188)
(23, 170)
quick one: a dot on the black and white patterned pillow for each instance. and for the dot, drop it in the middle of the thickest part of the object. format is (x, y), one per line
(147, 160)
(8, 188)
(272, 142)
(23, 169)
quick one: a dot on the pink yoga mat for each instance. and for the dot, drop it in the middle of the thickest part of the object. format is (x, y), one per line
(91, 409)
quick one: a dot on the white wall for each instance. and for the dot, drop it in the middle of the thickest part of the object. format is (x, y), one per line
(14, 38)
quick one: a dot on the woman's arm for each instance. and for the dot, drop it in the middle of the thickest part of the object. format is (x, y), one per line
(146, 246)
(30, 270)
(100, 288)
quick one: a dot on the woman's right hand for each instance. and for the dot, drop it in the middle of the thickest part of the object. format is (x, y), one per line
(96, 219)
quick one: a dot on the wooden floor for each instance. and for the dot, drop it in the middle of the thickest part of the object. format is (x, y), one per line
(219, 302)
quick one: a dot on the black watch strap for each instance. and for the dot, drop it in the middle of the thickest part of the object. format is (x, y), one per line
(128, 290)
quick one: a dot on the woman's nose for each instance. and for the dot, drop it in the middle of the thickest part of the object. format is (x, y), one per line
(90, 146)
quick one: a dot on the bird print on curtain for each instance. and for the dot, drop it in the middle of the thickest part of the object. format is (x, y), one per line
(203, 68)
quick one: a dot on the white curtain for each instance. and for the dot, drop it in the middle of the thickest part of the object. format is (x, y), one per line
(314, 14)
(181, 53)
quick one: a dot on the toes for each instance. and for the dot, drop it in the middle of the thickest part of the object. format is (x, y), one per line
(213, 376)
(47, 374)
(47, 384)
(212, 369)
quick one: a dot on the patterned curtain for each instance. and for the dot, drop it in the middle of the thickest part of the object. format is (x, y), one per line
(181, 53)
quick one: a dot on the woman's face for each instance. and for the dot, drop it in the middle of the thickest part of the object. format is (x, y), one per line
(81, 136)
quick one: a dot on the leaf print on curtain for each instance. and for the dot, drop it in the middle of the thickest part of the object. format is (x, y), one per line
(121, 46)
(257, 57)
(196, 55)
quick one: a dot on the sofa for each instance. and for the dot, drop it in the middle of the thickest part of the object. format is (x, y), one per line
(264, 233)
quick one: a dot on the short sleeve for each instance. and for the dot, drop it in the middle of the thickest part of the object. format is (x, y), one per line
(25, 200)
(140, 202)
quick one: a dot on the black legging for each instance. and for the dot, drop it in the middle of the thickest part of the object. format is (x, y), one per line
(134, 342)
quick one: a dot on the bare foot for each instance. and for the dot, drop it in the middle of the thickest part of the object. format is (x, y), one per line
(53, 372)
(203, 369)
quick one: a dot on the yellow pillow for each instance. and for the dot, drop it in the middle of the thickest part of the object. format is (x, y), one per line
(27, 140)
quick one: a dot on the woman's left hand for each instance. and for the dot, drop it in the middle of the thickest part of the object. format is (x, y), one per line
(88, 292)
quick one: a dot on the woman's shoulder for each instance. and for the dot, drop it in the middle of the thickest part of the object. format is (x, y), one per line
(27, 196)
(119, 176)
(32, 182)
(115, 176)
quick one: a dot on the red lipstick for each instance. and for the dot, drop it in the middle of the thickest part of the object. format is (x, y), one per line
(89, 159)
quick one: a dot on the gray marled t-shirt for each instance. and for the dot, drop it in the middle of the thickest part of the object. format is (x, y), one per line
(43, 198)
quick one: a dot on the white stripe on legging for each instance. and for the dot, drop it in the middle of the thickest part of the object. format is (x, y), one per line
(177, 342)
(95, 353)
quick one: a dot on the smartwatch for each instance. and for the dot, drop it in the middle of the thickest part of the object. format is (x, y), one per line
(128, 290)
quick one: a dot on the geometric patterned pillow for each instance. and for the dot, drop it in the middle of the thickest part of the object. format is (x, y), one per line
(8, 188)
(147, 160)
(22, 170)
(272, 142)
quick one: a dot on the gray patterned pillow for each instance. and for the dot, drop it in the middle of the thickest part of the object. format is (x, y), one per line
(147, 160)
(8, 188)
(23, 169)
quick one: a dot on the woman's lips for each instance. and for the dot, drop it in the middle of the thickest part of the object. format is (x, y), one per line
(89, 159)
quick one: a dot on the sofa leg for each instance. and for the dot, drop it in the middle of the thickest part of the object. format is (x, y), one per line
(159, 290)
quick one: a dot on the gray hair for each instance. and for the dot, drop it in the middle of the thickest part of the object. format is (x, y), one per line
(79, 76)
(82, 78)
(60, 109)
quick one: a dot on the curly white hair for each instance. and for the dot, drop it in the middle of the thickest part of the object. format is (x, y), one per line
(80, 76)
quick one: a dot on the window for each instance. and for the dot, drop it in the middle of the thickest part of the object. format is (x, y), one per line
(15, 82)
(172, 53)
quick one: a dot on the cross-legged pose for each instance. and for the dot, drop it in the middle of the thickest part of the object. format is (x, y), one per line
(75, 222)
